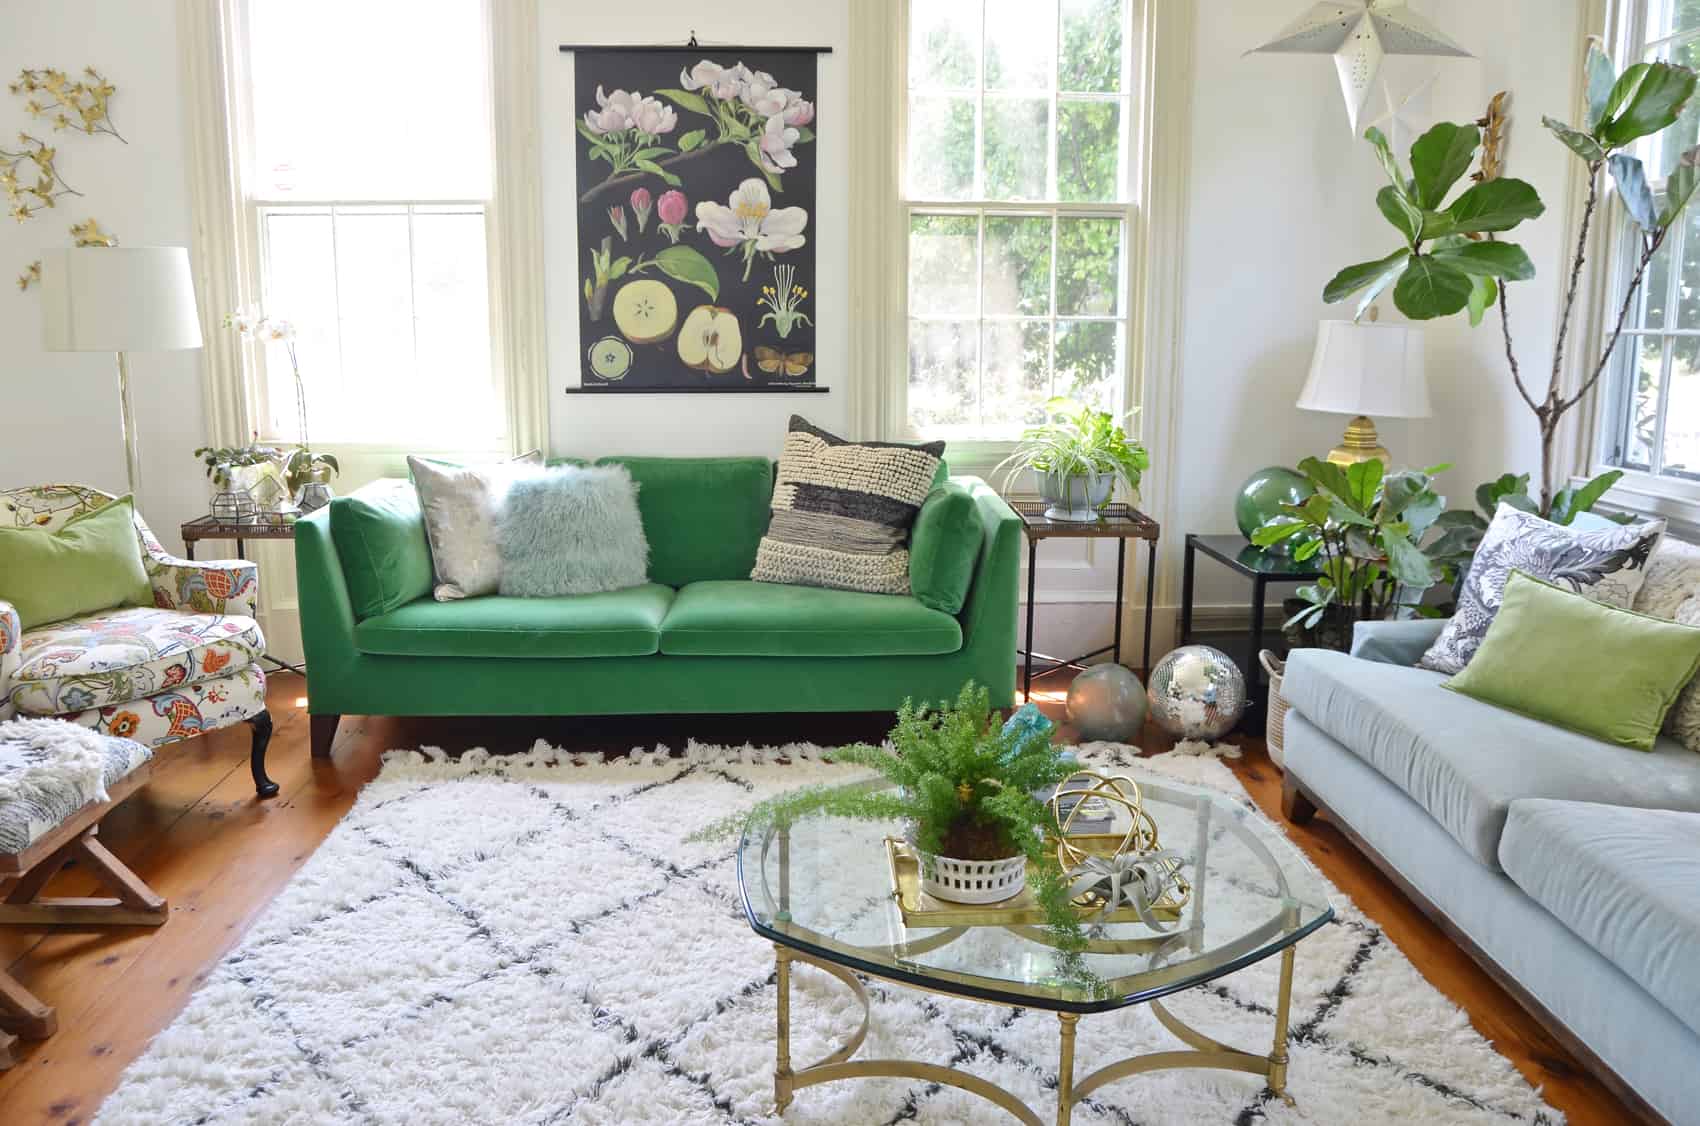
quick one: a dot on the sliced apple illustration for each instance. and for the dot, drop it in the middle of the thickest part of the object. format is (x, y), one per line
(645, 311)
(710, 339)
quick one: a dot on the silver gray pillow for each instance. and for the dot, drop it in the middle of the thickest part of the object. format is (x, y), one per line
(1607, 565)
(461, 504)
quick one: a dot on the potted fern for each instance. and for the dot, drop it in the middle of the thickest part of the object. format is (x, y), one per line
(1078, 454)
(964, 785)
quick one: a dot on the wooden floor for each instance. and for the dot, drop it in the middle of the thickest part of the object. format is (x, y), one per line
(198, 836)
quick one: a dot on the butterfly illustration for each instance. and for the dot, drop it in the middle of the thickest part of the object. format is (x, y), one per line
(773, 361)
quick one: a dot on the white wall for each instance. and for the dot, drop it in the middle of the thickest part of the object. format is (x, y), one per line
(691, 424)
(1282, 195)
(59, 411)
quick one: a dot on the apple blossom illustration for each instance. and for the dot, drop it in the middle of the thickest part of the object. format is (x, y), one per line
(747, 109)
(617, 216)
(783, 299)
(642, 204)
(670, 211)
(681, 263)
(749, 224)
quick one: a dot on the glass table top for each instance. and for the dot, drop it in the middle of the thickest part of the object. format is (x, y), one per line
(824, 887)
(1250, 560)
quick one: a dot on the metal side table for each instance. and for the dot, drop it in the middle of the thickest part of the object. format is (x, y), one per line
(212, 528)
(1119, 522)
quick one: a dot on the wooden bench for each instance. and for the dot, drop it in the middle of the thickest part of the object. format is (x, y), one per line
(25, 873)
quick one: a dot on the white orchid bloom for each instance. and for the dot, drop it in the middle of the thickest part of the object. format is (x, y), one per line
(245, 320)
(776, 142)
(279, 330)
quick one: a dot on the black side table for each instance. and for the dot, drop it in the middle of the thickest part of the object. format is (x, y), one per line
(1262, 568)
(1119, 522)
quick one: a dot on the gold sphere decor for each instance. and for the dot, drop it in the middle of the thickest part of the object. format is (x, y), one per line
(1128, 867)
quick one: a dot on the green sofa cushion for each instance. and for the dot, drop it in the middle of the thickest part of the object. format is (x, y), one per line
(620, 623)
(379, 532)
(703, 516)
(944, 547)
(749, 619)
(93, 562)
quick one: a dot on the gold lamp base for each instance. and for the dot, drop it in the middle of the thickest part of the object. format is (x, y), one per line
(1361, 443)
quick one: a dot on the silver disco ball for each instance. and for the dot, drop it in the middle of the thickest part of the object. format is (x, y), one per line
(1197, 693)
(1107, 702)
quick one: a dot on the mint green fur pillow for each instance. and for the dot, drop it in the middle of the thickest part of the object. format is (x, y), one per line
(572, 530)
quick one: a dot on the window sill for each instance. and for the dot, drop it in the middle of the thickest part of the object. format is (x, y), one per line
(1645, 494)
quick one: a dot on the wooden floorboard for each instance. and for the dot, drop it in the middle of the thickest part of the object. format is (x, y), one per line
(196, 834)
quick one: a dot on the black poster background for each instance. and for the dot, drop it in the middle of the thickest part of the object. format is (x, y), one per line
(709, 176)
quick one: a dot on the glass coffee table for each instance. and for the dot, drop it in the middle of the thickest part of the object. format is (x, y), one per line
(822, 892)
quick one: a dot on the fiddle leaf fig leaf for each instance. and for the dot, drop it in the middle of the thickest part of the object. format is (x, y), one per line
(1389, 163)
(1578, 142)
(1409, 565)
(1602, 76)
(1430, 288)
(1396, 209)
(1494, 205)
(1631, 179)
(1354, 278)
(1488, 259)
(1484, 291)
(1439, 158)
(1364, 480)
(1379, 286)
(1276, 530)
(1680, 185)
(1649, 97)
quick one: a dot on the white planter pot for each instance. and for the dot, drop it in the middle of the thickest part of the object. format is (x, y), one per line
(1076, 497)
(972, 881)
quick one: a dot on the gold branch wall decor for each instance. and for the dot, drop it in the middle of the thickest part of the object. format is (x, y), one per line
(31, 274)
(51, 95)
(34, 160)
(90, 234)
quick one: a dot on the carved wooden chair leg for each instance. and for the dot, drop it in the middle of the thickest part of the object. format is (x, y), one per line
(134, 904)
(262, 725)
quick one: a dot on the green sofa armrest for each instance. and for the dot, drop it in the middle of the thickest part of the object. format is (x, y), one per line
(1396, 643)
(989, 615)
(327, 613)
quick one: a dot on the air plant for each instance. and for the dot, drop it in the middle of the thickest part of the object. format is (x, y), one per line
(783, 298)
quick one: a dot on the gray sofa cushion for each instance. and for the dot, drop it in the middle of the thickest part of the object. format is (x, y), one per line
(1627, 881)
(1465, 761)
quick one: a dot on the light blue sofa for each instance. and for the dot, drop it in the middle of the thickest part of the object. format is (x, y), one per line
(1567, 867)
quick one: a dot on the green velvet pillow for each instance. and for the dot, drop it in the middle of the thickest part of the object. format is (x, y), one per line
(1559, 657)
(944, 547)
(379, 532)
(92, 563)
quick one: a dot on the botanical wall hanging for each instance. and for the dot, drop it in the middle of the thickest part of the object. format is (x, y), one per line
(696, 211)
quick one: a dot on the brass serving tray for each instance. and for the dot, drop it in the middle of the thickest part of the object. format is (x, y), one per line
(920, 909)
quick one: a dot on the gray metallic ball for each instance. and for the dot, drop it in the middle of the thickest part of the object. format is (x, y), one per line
(1107, 702)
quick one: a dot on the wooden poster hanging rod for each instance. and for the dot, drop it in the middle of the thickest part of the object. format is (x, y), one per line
(693, 45)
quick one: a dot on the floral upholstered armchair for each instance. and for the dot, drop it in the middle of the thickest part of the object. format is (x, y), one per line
(190, 663)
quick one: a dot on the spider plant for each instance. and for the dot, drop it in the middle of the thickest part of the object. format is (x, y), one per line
(1078, 452)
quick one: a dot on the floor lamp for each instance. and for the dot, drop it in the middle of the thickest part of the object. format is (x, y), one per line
(119, 299)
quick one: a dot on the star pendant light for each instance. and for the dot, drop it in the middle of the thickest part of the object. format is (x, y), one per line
(1359, 34)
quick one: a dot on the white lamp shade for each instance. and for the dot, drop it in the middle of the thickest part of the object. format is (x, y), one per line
(118, 299)
(1373, 369)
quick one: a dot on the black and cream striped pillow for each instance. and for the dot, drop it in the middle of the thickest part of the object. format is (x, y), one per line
(842, 511)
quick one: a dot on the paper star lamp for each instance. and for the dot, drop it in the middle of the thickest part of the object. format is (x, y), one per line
(1359, 34)
(1400, 120)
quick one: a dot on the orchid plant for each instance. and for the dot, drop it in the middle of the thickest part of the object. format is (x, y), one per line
(301, 464)
(748, 223)
(633, 133)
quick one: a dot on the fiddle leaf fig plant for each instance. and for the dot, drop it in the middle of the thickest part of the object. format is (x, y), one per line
(1453, 261)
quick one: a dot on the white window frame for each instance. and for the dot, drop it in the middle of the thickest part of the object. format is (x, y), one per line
(372, 458)
(974, 454)
(1602, 426)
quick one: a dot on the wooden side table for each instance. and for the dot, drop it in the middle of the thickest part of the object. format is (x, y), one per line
(1119, 522)
(212, 528)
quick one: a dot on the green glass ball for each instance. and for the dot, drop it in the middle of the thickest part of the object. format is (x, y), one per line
(1261, 497)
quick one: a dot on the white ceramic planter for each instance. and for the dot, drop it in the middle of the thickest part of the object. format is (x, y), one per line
(1077, 497)
(972, 881)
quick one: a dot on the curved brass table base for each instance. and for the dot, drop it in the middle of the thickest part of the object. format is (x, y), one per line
(1201, 1052)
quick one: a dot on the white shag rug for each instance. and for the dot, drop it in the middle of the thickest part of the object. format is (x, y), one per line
(529, 940)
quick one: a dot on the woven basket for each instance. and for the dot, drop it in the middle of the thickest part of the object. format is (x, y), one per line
(972, 881)
(1275, 718)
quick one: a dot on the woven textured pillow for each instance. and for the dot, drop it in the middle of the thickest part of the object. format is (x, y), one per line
(572, 530)
(1672, 591)
(1607, 566)
(842, 511)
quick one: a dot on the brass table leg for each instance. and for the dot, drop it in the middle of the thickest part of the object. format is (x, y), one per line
(1065, 1068)
(782, 1062)
(1278, 1054)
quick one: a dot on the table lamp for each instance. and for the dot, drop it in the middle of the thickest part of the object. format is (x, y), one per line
(1362, 369)
(119, 300)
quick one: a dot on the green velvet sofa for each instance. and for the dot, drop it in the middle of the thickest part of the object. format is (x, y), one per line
(698, 638)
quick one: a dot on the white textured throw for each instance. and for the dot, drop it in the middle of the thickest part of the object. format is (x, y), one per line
(37, 754)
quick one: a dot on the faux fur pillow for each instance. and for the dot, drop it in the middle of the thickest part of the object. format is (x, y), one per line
(1607, 566)
(572, 530)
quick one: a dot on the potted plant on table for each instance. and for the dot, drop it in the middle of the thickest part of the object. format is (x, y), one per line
(240, 475)
(964, 786)
(306, 474)
(1079, 454)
